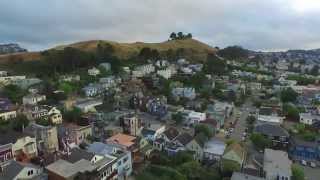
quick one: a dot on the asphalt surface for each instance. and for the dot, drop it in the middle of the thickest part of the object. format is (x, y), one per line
(241, 125)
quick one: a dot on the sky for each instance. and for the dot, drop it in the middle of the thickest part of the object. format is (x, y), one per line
(254, 24)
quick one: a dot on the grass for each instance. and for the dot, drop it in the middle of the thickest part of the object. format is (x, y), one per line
(194, 49)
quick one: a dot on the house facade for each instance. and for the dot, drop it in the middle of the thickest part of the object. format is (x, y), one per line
(46, 136)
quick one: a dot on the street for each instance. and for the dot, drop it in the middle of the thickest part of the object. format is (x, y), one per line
(241, 125)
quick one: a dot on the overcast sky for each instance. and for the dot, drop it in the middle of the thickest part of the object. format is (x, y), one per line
(253, 24)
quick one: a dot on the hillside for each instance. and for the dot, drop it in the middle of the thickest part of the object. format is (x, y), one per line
(193, 49)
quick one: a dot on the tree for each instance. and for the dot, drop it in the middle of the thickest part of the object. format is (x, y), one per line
(180, 35)
(260, 141)
(104, 51)
(14, 93)
(177, 117)
(72, 116)
(189, 36)
(288, 95)
(228, 167)
(67, 88)
(234, 52)
(214, 65)
(145, 53)
(19, 123)
(291, 112)
(315, 70)
(173, 36)
(194, 171)
(297, 173)
(205, 129)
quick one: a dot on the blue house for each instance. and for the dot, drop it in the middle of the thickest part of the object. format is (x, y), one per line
(300, 149)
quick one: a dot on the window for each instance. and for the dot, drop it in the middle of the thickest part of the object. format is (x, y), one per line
(30, 172)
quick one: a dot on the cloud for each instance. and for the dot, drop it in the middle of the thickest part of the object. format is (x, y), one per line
(258, 25)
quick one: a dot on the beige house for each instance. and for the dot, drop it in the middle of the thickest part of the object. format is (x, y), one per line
(23, 145)
(47, 137)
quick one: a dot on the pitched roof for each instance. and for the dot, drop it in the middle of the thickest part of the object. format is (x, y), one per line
(184, 138)
(11, 171)
(270, 129)
(122, 139)
(237, 148)
(215, 146)
(235, 152)
(171, 133)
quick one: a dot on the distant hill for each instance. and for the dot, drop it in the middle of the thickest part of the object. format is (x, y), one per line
(11, 48)
(193, 49)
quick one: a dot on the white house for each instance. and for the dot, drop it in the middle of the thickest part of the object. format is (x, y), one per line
(146, 69)
(165, 73)
(88, 104)
(269, 115)
(7, 115)
(194, 117)
(308, 118)
(33, 99)
(10, 79)
(213, 150)
(93, 71)
(255, 86)
(187, 92)
(93, 89)
(123, 162)
(26, 82)
(3, 73)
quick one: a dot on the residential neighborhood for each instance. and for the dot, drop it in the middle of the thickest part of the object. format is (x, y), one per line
(180, 109)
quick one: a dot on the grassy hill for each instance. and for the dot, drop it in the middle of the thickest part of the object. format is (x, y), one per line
(193, 49)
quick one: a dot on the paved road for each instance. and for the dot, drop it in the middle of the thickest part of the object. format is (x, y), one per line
(240, 126)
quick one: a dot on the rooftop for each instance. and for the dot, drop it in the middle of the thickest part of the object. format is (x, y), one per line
(276, 161)
(270, 129)
(67, 169)
(122, 139)
(215, 146)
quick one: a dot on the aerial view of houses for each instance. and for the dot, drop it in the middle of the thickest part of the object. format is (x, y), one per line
(192, 106)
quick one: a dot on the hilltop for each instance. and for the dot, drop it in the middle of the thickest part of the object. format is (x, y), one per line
(192, 49)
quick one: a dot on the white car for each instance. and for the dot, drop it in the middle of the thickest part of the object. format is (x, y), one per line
(304, 162)
(313, 165)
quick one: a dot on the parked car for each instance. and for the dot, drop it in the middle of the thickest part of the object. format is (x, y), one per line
(303, 162)
(312, 164)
